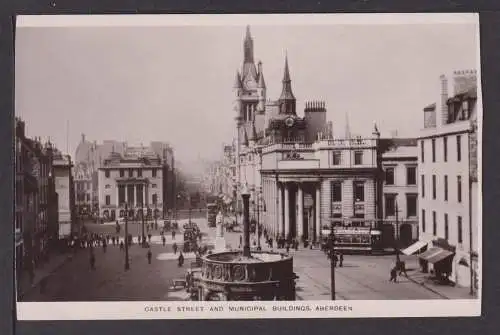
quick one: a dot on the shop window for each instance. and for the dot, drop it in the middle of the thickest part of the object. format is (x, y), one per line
(336, 191)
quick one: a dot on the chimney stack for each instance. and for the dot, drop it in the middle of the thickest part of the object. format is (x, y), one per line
(444, 99)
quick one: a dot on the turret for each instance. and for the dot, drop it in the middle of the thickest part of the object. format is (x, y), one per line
(237, 88)
(261, 90)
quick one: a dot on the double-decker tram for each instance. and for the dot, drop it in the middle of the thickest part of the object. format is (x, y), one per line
(353, 236)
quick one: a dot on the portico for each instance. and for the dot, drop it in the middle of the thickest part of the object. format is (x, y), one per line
(296, 211)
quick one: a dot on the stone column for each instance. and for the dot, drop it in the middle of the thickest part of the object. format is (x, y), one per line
(117, 197)
(287, 210)
(317, 211)
(135, 195)
(126, 193)
(300, 221)
(279, 229)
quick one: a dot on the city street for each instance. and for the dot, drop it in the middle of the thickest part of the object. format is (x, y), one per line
(361, 277)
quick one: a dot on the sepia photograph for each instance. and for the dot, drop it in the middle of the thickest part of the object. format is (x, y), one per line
(261, 166)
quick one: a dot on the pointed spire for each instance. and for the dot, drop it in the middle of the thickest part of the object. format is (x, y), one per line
(375, 132)
(347, 128)
(262, 83)
(286, 93)
(286, 74)
(248, 35)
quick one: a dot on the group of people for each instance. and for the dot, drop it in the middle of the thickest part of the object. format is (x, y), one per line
(400, 267)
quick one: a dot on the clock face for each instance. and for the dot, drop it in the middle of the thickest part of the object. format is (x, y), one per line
(289, 122)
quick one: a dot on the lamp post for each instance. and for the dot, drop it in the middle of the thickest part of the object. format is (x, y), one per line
(127, 264)
(142, 227)
(245, 194)
(257, 228)
(332, 261)
(397, 234)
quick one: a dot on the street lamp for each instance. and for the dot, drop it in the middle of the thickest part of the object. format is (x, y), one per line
(332, 260)
(142, 226)
(397, 234)
(245, 194)
(127, 264)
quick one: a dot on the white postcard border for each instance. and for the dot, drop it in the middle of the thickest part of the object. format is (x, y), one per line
(246, 310)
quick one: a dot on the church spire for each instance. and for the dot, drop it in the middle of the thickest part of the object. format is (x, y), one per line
(286, 93)
(248, 47)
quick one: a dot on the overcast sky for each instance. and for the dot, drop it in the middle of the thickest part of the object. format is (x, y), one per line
(174, 84)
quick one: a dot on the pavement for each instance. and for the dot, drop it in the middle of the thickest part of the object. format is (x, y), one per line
(362, 277)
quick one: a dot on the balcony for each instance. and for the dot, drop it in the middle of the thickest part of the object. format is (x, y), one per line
(298, 164)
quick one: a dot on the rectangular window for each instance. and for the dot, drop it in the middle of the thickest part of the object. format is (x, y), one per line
(459, 148)
(422, 151)
(337, 157)
(423, 220)
(130, 172)
(358, 157)
(434, 223)
(390, 205)
(423, 186)
(445, 149)
(459, 188)
(445, 188)
(154, 173)
(433, 150)
(433, 186)
(389, 176)
(411, 205)
(446, 226)
(139, 173)
(411, 175)
(336, 191)
(459, 229)
(122, 173)
(108, 200)
(106, 173)
(359, 191)
(155, 199)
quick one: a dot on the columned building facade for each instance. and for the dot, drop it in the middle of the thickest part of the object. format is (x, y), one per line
(310, 188)
(132, 180)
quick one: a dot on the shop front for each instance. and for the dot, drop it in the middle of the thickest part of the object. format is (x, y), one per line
(439, 260)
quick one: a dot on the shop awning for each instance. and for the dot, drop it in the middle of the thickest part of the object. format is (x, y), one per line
(434, 255)
(414, 247)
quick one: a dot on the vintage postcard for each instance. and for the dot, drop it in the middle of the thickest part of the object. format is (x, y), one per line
(247, 166)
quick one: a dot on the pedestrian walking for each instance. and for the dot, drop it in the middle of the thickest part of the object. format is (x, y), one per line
(149, 255)
(104, 246)
(341, 259)
(121, 245)
(394, 274)
(402, 268)
(241, 240)
(180, 260)
(164, 240)
(174, 246)
(287, 247)
(173, 234)
(149, 237)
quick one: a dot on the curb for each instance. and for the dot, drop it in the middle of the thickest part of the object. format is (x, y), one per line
(35, 285)
(428, 288)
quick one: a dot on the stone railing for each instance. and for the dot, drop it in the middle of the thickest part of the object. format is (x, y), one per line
(226, 267)
(287, 146)
(342, 143)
